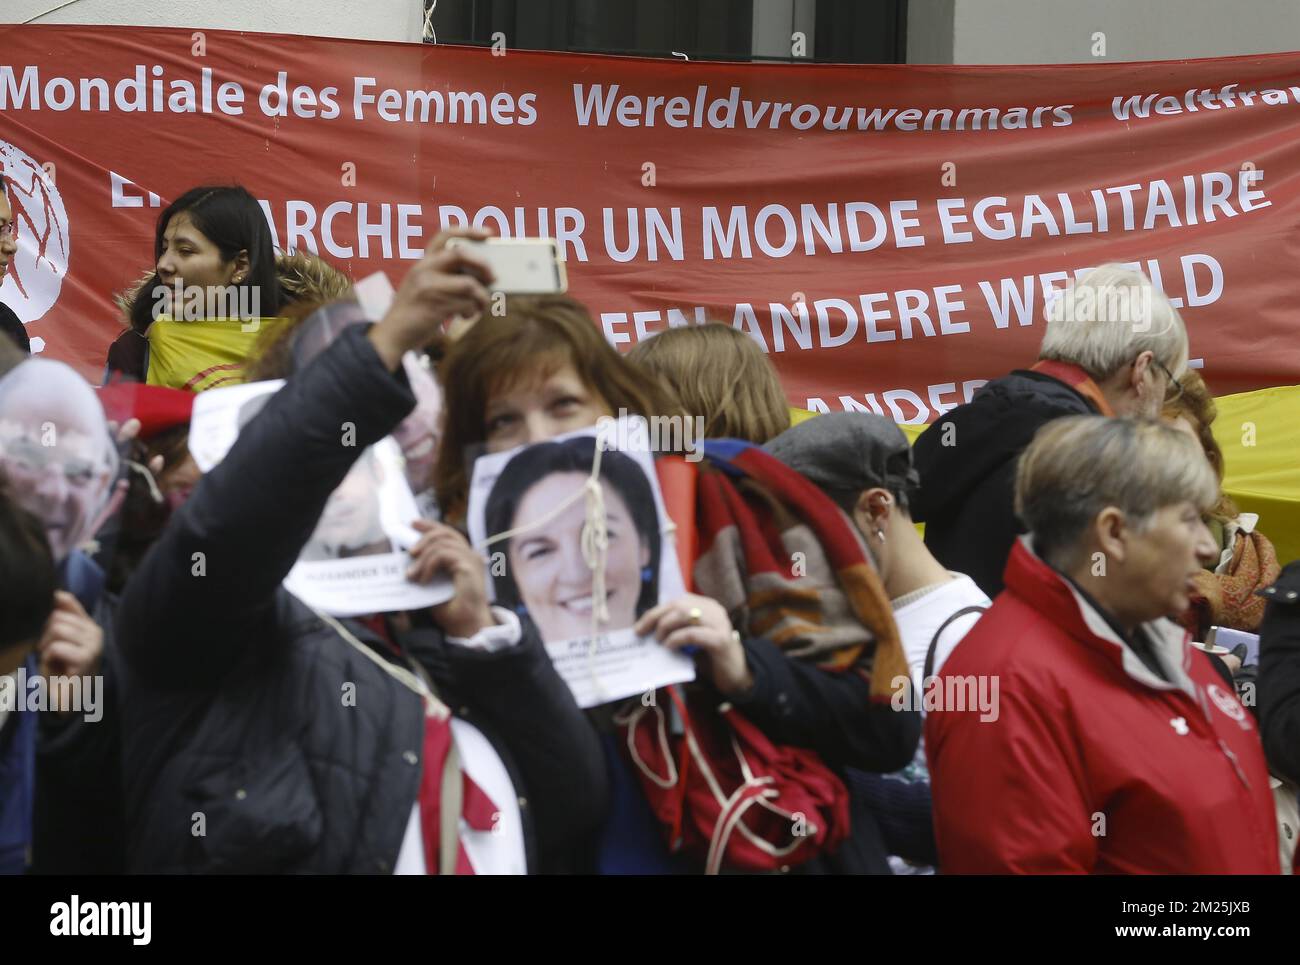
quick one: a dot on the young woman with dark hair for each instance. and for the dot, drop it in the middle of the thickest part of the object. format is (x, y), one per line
(212, 238)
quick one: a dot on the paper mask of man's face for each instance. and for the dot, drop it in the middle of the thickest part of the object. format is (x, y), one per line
(55, 450)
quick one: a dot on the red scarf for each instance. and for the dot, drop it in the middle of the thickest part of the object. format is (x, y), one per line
(1077, 379)
(477, 809)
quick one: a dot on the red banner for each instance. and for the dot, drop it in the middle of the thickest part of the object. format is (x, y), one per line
(887, 233)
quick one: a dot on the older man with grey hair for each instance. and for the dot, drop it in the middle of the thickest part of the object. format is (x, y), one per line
(1114, 345)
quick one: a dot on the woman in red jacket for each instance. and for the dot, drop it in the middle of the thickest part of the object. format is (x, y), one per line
(1110, 744)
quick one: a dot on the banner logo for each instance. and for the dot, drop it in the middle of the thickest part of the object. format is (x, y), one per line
(35, 277)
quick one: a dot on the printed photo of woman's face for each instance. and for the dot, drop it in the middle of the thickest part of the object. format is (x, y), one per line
(548, 567)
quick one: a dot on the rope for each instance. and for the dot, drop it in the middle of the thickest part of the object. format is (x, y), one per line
(632, 721)
(154, 492)
(594, 543)
(46, 13)
(430, 35)
(733, 811)
(433, 707)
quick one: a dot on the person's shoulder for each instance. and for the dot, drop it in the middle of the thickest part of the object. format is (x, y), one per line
(12, 326)
(958, 595)
(1009, 639)
(999, 419)
(1286, 588)
(127, 353)
(962, 591)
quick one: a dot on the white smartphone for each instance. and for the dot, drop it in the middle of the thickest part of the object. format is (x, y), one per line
(522, 266)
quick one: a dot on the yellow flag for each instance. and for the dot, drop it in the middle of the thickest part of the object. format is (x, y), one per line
(1259, 433)
(202, 354)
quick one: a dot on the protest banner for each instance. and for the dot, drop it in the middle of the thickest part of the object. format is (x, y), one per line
(887, 233)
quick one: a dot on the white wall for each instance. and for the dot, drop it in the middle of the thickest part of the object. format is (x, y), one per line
(1061, 31)
(929, 31)
(359, 19)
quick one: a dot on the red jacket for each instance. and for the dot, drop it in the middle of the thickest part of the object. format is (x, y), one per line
(1093, 764)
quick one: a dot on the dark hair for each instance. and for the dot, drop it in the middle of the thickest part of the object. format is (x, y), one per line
(232, 220)
(535, 463)
(27, 574)
(904, 493)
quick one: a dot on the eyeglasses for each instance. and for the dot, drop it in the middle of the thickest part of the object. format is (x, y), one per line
(1173, 388)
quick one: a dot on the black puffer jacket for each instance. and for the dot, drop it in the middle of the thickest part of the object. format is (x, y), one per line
(239, 754)
(1279, 675)
(967, 463)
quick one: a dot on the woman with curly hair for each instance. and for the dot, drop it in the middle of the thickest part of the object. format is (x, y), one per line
(1225, 588)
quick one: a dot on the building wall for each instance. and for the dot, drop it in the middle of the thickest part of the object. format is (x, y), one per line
(938, 31)
(1061, 31)
(360, 19)
(929, 31)
(775, 21)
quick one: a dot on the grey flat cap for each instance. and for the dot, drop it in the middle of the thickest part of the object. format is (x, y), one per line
(846, 452)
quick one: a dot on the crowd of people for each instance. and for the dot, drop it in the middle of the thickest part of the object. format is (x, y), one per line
(983, 653)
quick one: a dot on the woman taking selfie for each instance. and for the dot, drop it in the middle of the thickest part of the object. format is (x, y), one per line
(424, 742)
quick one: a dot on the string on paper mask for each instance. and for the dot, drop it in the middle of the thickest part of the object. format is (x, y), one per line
(594, 543)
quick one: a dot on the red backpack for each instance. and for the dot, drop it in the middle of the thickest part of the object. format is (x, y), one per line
(725, 793)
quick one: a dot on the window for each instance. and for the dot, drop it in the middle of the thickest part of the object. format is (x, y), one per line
(840, 31)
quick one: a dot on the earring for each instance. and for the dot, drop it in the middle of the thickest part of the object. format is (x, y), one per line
(647, 574)
(880, 535)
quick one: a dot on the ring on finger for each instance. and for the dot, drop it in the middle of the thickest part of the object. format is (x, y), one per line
(695, 615)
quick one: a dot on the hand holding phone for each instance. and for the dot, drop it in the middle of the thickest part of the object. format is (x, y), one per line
(520, 266)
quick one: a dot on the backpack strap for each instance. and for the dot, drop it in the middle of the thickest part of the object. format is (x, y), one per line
(928, 672)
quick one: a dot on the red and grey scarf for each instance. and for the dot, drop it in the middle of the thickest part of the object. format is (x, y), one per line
(789, 565)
